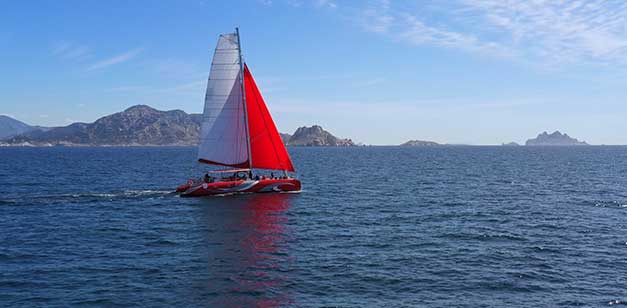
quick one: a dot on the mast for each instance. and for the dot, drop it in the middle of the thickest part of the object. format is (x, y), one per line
(241, 79)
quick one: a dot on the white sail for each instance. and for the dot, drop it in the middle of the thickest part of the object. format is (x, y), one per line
(223, 133)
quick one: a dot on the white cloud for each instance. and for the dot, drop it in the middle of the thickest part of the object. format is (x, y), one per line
(121, 58)
(418, 33)
(549, 32)
(563, 31)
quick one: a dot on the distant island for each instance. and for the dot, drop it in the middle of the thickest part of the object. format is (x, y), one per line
(139, 125)
(554, 139)
(314, 136)
(510, 144)
(142, 125)
(419, 143)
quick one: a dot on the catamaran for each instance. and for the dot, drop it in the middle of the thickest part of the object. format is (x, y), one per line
(237, 133)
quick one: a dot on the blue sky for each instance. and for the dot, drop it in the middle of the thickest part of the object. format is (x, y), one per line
(380, 72)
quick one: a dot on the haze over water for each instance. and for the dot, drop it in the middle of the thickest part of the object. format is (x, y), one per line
(374, 226)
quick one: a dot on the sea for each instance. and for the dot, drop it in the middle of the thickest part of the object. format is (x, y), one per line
(456, 226)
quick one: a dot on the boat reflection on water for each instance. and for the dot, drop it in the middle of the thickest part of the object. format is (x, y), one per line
(247, 243)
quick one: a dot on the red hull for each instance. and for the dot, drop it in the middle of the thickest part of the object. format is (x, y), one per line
(242, 186)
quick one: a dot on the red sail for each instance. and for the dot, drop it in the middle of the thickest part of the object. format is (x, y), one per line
(266, 147)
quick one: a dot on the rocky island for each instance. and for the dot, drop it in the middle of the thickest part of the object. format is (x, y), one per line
(554, 139)
(315, 136)
(141, 125)
(419, 143)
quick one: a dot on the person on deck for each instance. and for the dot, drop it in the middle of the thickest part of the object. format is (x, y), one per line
(207, 178)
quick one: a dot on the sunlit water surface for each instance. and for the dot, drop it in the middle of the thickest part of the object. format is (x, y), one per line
(375, 226)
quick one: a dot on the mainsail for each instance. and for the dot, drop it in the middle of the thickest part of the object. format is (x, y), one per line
(237, 129)
(223, 139)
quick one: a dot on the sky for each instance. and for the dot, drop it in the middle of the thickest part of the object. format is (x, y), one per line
(380, 72)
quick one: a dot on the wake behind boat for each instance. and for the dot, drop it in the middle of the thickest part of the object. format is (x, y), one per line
(238, 132)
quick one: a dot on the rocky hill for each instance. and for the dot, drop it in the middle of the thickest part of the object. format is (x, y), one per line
(554, 139)
(316, 136)
(285, 138)
(143, 125)
(10, 127)
(137, 125)
(419, 143)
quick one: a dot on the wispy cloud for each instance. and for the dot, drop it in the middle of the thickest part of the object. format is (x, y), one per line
(376, 17)
(325, 3)
(550, 32)
(126, 88)
(188, 87)
(369, 82)
(563, 31)
(70, 50)
(178, 68)
(121, 58)
(329, 4)
(398, 108)
(193, 86)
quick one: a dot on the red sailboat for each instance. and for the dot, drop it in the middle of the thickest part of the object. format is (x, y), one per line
(238, 133)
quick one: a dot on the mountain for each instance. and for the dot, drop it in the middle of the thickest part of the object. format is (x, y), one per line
(144, 125)
(510, 144)
(419, 143)
(137, 125)
(554, 139)
(285, 138)
(10, 127)
(316, 136)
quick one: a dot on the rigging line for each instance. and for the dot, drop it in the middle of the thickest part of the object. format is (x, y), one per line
(243, 93)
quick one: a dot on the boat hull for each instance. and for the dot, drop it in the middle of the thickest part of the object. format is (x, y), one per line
(240, 186)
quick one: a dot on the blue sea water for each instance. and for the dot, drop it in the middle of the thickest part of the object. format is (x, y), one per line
(374, 226)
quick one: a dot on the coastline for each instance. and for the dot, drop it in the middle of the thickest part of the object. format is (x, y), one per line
(78, 145)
